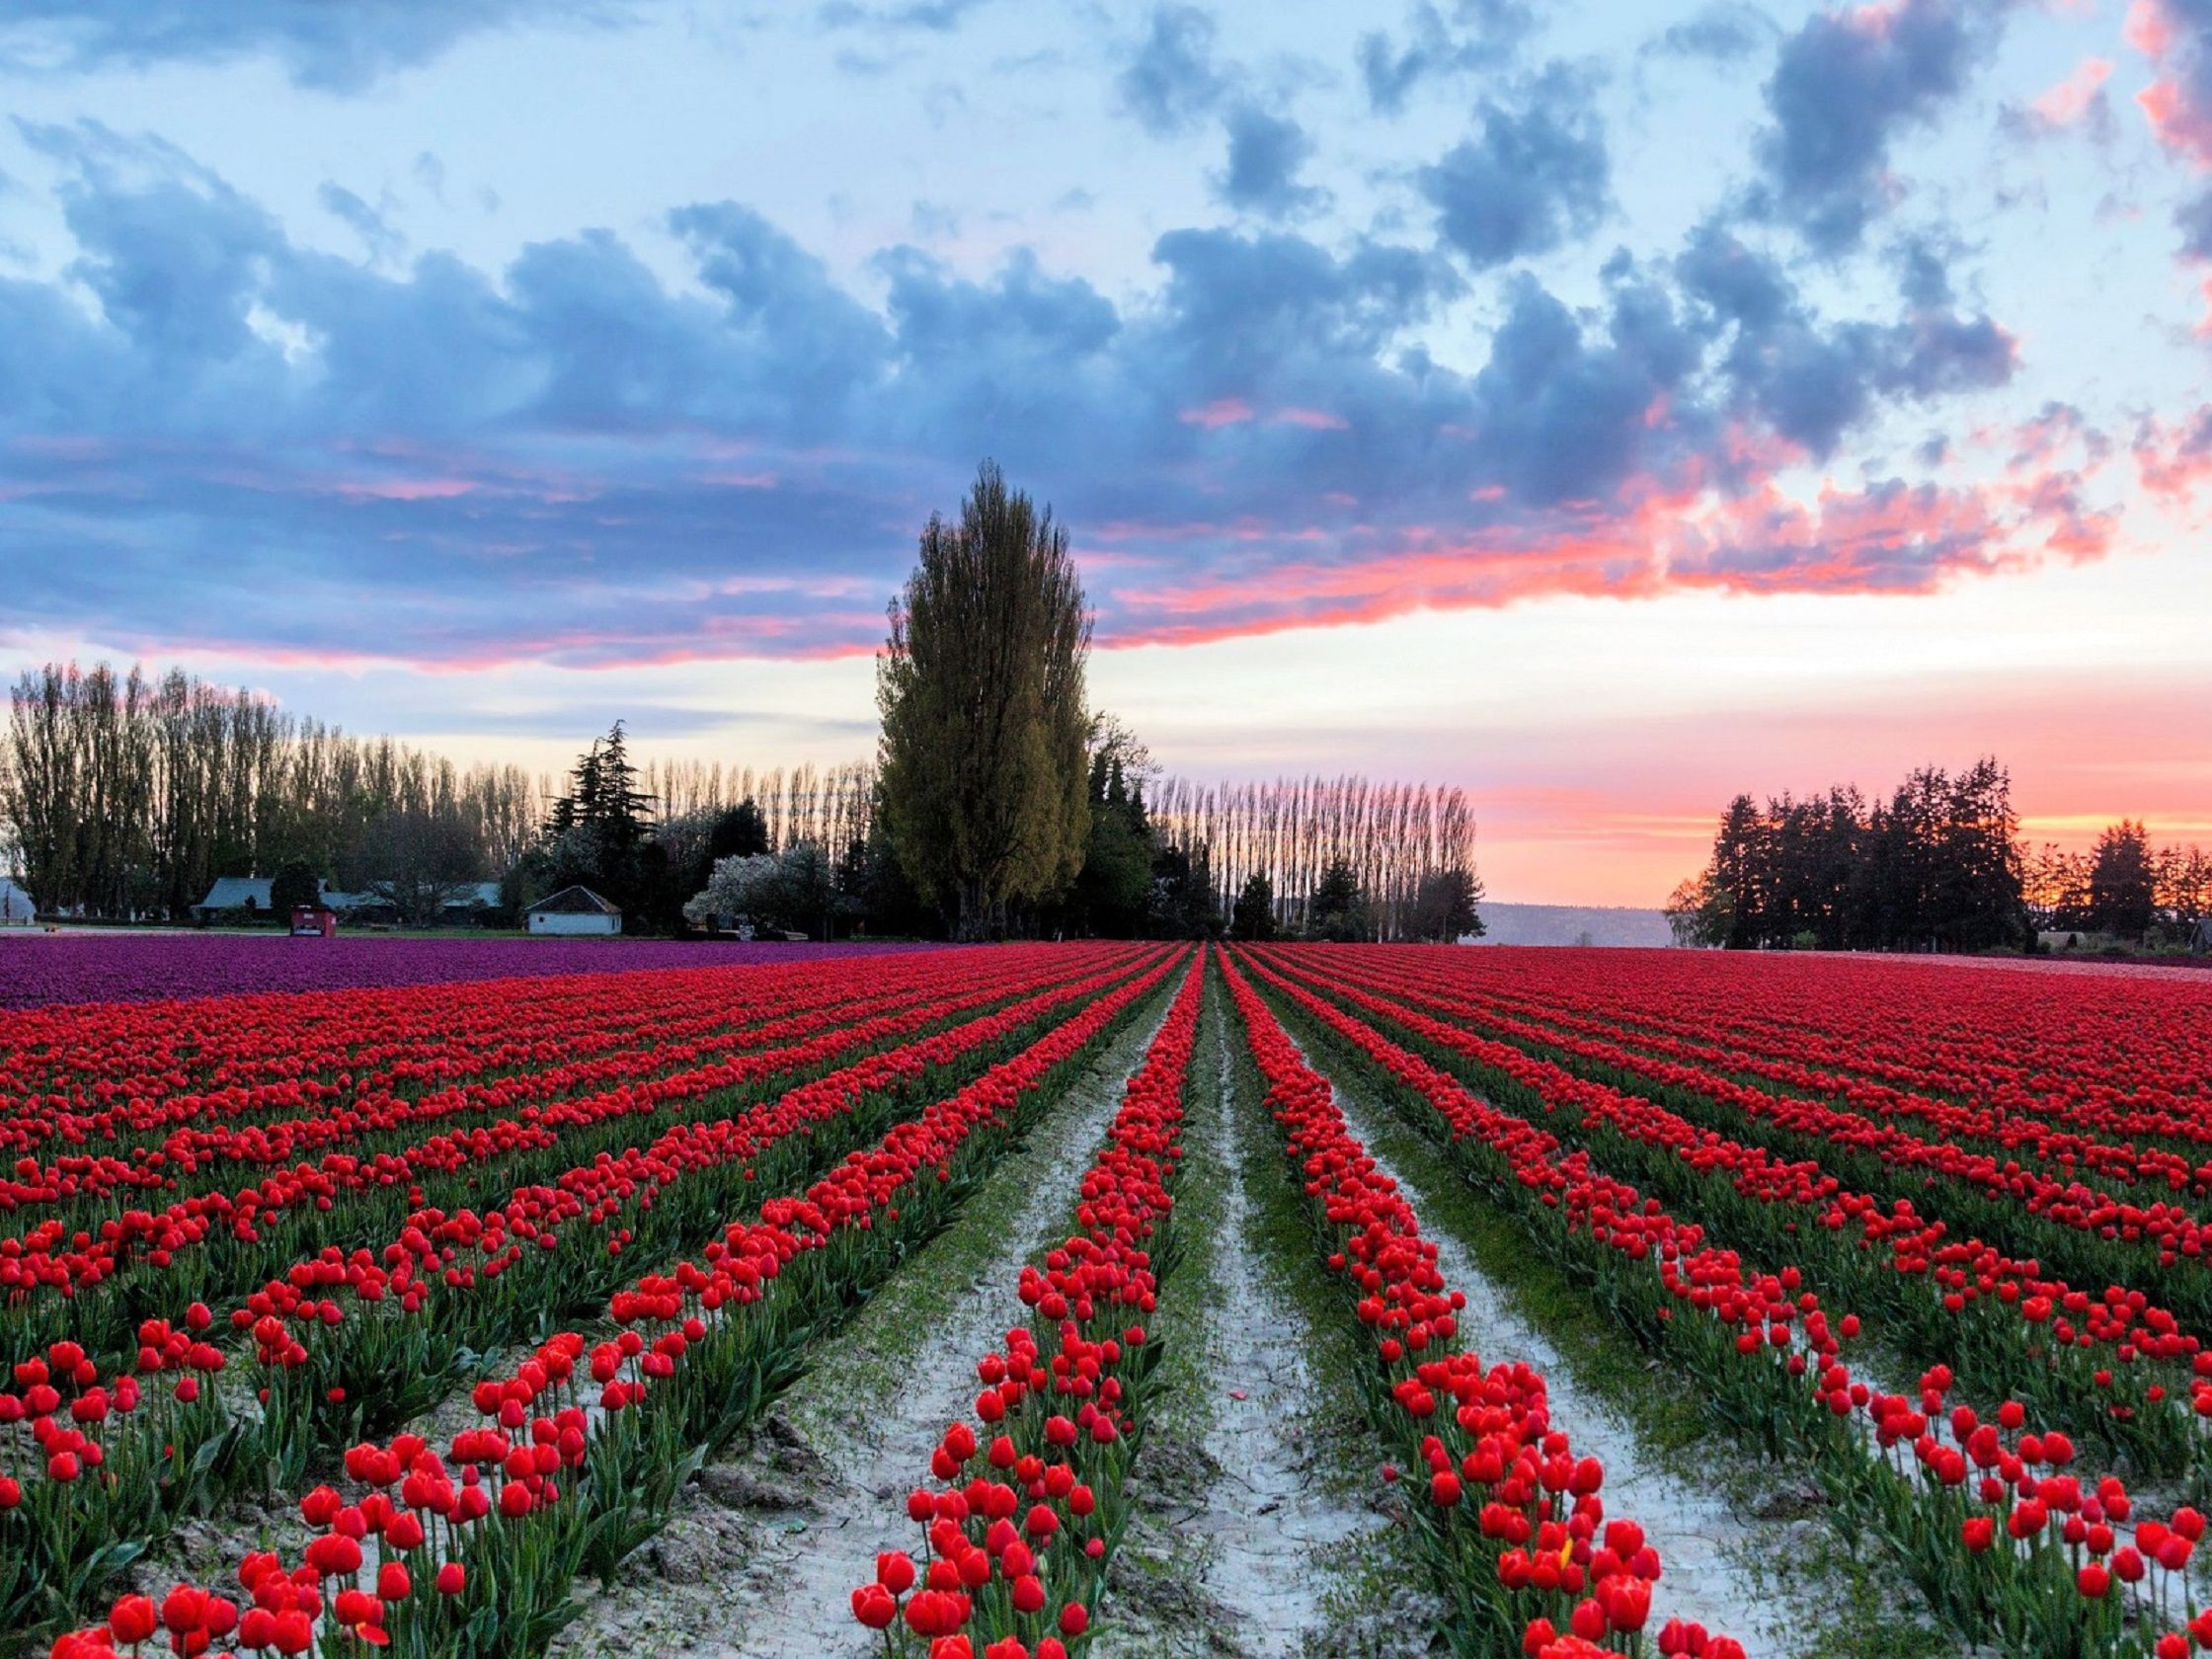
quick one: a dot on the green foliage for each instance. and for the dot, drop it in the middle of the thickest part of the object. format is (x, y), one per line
(295, 887)
(1936, 867)
(1112, 890)
(1254, 915)
(980, 686)
(1339, 908)
(2122, 883)
(1444, 907)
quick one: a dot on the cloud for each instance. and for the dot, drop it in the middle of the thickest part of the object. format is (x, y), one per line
(2076, 101)
(1527, 181)
(383, 241)
(1846, 84)
(1810, 380)
(1171, 81)
(333, 48)
(1481, 34)
(1725, 31)
(936, 16)
(1265, 154)
(577, 459)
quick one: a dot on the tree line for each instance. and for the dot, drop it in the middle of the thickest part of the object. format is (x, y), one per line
(1391, 837)
(2121, 886)
(126, 795)
(1007, 803)
(999, 803)
(1936, 865)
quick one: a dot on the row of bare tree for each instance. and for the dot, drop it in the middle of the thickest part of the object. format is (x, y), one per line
(126, 795)
(1291, 830)
(829, 807)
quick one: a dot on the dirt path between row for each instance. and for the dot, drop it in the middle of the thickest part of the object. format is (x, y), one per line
(1253, 1510)
(759, 1560)
(1704, 1538)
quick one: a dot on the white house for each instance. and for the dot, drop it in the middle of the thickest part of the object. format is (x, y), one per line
(15, 907)
(575, 910)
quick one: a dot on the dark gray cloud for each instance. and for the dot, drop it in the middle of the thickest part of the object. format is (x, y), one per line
(1265, 155)
(1812, 380)
(1533, 176)
(1725, 31)
(1845, 86)
(365, 221)
(1171, 81)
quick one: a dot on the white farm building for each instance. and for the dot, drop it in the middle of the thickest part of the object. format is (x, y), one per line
(575, 910)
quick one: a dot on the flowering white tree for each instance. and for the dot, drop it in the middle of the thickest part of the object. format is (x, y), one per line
(793, 889)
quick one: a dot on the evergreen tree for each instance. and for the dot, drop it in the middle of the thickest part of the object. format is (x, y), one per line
(295, 887)
(1443, 907)
(1339, 908)
(1255, 916)
(2122, 882)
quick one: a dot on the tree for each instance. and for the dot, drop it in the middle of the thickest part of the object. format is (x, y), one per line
(739, 832)
(294, 888)
(1697, 913)
(418, 861)
(1339, 908)
(1255, 916)
(2123, 898)
(1112, 892)
(2184, 890)
(1444, 907)
(596, 834)
(789, 890)
(980, 686)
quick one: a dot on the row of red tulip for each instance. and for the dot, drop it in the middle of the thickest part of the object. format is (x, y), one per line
(1940, 1484)
(357, 1099)
(1514, 1520)
(2128, 1144)
(1027, 1494)
(124, 1074)
(373, 1115)
(471, 1550)
(2069, 1228)
(259, 1228)
(2009, 1103)
(2034, 1040)
(1932, 1146)
(342, 1340)
(2108, 1363)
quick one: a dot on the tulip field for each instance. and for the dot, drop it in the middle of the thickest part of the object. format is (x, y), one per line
(427, 1308)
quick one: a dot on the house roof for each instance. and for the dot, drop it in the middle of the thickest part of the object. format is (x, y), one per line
(575, 901)
(230, 893)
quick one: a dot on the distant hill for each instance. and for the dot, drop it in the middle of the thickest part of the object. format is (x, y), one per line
(1572, 924)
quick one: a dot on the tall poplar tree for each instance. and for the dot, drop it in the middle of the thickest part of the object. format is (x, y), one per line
(984, 780)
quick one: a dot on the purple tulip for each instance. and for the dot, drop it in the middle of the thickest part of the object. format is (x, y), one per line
(144, 967)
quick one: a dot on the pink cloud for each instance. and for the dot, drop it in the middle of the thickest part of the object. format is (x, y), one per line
(1315, 420)
(1223, 411)
(1886, 539)
(2066, 102)
(405, 489)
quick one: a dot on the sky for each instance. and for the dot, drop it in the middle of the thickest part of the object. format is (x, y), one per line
(1604, 406)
